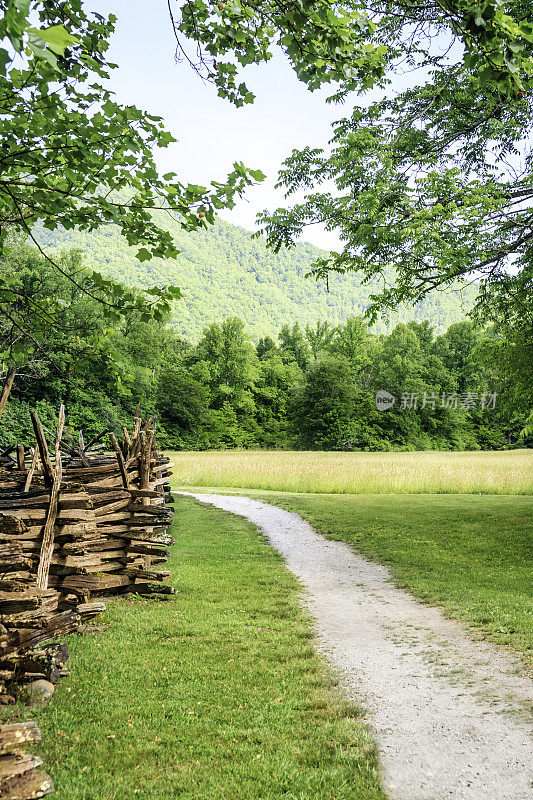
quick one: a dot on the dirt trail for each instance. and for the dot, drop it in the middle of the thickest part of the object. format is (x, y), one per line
(449, 714)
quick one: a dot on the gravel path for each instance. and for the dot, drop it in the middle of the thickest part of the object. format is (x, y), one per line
(450, 715)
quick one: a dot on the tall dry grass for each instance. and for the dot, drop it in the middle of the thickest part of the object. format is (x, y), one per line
(507, 472)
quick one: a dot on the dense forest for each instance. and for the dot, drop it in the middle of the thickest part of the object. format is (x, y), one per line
(312, 386)
(223, 271)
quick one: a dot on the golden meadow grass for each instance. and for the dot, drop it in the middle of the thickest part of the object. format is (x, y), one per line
(507, 472)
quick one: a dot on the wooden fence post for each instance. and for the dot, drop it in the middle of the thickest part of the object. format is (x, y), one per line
(29, 476)
(8, 385)
(48, 470)
(47, 545)
(120, 458)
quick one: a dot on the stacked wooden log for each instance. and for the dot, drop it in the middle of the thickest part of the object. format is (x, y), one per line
(85, 523)
(86, 520)
(29, 620)
(20, 776)
(116, 519)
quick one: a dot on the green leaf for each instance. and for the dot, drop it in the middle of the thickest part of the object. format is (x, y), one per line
(58, 38)
(194, 189)
(144, 254)
(4, 60)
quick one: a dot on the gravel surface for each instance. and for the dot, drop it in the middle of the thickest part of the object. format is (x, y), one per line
(449, 714)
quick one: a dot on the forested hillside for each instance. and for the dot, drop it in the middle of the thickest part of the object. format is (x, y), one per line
(313, 387)
(222, 271)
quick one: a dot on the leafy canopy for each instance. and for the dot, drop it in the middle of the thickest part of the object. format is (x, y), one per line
(68, 146)
(324, 41)
(350, 43)
(433, 180)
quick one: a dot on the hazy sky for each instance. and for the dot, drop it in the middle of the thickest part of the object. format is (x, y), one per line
(212, 133)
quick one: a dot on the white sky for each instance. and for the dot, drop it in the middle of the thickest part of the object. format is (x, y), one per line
(211, 132)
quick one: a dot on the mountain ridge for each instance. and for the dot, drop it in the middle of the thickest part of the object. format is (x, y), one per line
(223, 271)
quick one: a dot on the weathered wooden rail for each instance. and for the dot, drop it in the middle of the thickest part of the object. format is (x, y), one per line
(20, 775)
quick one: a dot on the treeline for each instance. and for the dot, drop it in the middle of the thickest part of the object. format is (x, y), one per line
(313, 387)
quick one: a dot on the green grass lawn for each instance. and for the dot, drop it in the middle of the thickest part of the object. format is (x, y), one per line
(471, 554)
(215, 694)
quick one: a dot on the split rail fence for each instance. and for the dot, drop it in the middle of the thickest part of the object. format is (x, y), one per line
(76, 520)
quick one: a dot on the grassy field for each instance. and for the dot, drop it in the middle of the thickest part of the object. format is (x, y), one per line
(472, 555)
(507, 472)
(216, 694)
